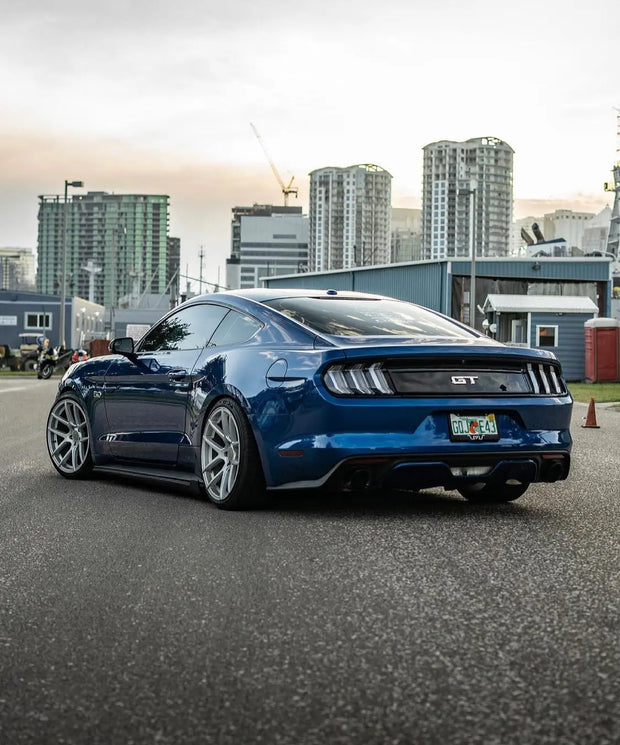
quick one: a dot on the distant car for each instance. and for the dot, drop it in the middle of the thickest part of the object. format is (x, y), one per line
(302, 389)
(29, 347)
(79, 355)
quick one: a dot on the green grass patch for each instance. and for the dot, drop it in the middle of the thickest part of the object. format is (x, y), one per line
(600, 392)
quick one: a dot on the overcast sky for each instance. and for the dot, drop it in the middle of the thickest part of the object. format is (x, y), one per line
(157, 97)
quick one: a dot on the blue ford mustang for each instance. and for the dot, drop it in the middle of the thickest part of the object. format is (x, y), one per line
(295, 389)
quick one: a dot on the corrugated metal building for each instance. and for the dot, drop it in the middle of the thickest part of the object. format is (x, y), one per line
(444, 285)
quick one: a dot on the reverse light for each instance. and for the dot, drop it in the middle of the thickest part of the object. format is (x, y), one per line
(357, 379)
(470, 470)
(544, 379)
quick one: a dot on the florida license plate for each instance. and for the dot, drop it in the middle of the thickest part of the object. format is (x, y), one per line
(473, 428)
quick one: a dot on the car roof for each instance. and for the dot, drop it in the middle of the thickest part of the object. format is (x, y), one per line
(265, 294)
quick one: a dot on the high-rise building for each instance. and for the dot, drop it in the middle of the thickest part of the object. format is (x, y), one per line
(406, 235)
(350, 211)
(266, 241)
(17, 269)
(116, 244)
(467, 198)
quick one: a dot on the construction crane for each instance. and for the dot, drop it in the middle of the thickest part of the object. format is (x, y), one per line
(286, 190)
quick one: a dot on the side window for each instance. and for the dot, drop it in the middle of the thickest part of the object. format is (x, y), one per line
(190, 328)
(236, 328)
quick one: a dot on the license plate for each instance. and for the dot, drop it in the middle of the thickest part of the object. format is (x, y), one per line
(465, 428)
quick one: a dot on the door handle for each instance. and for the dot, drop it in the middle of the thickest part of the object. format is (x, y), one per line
(178, 374)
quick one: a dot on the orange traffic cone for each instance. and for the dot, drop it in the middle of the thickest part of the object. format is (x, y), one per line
(591, 417)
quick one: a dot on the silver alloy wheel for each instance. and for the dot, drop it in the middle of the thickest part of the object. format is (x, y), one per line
(67, 436)
(220, 453)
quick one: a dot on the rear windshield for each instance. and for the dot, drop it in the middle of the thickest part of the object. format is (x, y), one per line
(366, 317)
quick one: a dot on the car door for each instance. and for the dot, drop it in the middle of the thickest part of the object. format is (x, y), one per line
(146, 396)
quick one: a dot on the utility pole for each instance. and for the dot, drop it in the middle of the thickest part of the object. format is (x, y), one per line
(91, 269)
(471, 192)
(472, 243)
(201, 255)
(63, 276)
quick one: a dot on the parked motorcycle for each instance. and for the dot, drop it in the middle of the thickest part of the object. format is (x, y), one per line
(49, 359)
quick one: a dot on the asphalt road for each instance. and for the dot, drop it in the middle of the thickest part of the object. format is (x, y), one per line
(130, 614)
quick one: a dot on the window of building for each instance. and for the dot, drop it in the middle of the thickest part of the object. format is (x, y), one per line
(38, 321)
(546, 336)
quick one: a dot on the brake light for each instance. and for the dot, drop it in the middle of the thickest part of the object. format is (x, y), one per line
(544, 379)
(357, 379)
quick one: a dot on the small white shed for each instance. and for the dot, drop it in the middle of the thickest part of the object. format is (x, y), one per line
(552, 322)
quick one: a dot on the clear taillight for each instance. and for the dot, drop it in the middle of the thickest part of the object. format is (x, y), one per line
(357, 379)
(544, 379)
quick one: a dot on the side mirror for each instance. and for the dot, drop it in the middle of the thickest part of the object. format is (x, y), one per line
(123, 345)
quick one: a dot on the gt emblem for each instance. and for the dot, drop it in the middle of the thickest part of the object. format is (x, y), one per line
(464, 379)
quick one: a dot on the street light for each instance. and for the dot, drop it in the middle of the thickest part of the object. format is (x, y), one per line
(472, 250)
(63, 275)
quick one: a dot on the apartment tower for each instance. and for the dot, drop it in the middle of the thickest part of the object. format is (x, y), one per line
(350, 215)
(467, 198)
(116, 245)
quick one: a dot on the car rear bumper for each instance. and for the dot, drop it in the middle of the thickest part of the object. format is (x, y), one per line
(441, 469)
(306, 444)
(406, 437)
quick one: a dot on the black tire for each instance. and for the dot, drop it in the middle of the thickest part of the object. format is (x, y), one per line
(46, 370)
(493, 493)
(30, 365)
(68, 437)
(230, 467)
